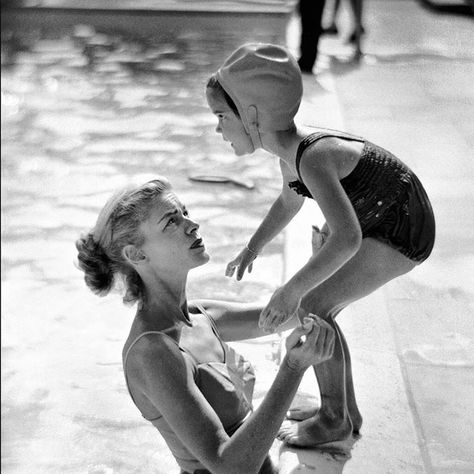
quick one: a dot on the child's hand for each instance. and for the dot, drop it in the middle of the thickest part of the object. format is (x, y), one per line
(282, 306)
(241, 262)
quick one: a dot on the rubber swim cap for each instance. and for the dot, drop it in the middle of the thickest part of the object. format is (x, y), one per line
(264, 81)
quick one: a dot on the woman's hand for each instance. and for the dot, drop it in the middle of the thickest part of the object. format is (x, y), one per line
(282, 306)
(309, 344)
(242, 262)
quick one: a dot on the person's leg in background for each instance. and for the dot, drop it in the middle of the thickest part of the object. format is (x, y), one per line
(355, 37)
(311, 13)
(332, 29)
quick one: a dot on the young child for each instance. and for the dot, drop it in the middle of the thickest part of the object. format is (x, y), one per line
(379, 221)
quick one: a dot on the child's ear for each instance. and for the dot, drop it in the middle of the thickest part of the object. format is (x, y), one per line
(133, 255)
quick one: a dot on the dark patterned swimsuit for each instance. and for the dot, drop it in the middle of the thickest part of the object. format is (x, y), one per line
(388, 198)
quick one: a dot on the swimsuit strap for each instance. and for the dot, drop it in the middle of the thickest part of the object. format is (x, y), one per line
(200, 307)
(182, 349)
(135, 341)
(314, 137)
(214, 328)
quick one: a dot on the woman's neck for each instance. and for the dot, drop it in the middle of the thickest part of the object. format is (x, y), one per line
(164, 304)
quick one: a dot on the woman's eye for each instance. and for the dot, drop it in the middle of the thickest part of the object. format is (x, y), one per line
(171, 221)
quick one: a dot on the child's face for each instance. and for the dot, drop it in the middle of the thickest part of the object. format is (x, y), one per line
(229, 125)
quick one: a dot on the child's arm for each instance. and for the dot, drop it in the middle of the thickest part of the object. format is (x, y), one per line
(321, 174)
(280, 214)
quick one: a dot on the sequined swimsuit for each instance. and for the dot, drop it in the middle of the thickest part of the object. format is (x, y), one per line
(388, 198)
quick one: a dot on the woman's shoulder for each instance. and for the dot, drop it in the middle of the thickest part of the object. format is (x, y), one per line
(154, 363)
(211, 309)
(146, 348)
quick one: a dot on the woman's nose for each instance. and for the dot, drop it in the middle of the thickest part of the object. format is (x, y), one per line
(192, 226)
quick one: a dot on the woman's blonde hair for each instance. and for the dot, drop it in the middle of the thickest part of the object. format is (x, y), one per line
(100, 254)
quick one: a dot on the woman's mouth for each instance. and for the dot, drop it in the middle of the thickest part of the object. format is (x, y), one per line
(197, 244)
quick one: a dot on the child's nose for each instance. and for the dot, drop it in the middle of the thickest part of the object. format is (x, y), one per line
(218, 128)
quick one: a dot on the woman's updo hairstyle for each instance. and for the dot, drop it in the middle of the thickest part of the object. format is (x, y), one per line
(100, 250)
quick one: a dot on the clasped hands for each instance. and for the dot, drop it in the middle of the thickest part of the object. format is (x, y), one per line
(282, 306)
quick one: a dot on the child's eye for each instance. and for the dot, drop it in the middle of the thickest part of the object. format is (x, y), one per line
(185, 213)
(172, 220)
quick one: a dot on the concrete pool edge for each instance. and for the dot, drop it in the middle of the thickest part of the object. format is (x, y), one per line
(144, 22)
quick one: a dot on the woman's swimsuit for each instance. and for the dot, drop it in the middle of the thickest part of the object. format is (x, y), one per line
(227, 386)
(389, 200)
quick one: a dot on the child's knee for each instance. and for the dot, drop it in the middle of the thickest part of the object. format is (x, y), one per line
(306, 308)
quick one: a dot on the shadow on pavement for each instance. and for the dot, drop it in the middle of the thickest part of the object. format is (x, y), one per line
(464, 8)
(340, 65)
(328, 460)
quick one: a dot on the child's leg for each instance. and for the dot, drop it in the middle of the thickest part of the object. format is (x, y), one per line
(374, 265)
(332, 27)
(305, 412)
(352, 408)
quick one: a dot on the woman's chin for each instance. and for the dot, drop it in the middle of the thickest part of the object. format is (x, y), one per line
(204, 257)
(242, 152)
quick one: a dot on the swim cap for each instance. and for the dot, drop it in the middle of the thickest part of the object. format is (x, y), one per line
(264, 81)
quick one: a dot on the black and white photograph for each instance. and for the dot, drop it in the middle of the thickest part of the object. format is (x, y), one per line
(237, 236)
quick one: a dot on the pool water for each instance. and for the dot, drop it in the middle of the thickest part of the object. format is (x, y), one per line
(83, 113)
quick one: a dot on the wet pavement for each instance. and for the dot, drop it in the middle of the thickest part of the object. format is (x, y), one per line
(81, 116)
(412, 341)
(86, 112)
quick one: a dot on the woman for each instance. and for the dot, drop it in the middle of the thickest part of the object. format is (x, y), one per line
(180, 373)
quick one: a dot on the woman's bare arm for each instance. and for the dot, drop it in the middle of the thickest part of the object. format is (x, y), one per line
(238, 321)
(160, 370)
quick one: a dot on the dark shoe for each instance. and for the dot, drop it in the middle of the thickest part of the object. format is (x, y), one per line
(330, 30)
(305, 68)
(353, 38)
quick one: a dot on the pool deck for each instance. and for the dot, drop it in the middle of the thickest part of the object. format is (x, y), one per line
(187, 6)
(150, 18)
(412, 342)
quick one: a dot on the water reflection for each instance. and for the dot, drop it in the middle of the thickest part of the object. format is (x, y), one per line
(81, 115)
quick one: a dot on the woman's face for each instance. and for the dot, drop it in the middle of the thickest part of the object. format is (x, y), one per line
(229, 124)
(171, 239)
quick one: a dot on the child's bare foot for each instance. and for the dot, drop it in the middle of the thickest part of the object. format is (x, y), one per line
(305, 412)
(315, 431)
(301, 413)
